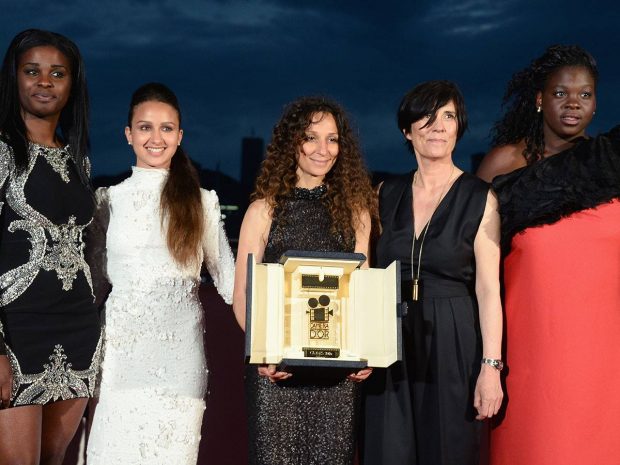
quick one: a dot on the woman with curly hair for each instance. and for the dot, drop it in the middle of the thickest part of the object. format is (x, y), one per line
(560, 220)
(550, 105)
(443, 226)
(312, 193)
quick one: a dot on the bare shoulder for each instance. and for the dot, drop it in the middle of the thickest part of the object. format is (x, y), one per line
(501, 160)
(255, 229)
(257, 216)
(258, 209)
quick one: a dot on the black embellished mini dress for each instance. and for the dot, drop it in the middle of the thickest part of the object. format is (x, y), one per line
(311, 418)
(49, 325)
(420, 411)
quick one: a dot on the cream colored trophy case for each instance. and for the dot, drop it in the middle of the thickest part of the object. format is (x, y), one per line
(321, 309)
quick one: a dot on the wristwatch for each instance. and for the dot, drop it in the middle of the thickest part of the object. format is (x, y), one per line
(495, 363)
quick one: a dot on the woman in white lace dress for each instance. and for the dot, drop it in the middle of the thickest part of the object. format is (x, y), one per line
(160, 228)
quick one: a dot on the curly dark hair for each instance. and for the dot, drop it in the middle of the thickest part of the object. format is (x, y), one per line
(349, 190)
(521, 121)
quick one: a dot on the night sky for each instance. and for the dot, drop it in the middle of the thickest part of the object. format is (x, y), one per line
(235, 64)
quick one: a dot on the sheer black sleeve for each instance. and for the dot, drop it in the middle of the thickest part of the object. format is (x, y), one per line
(96, 252)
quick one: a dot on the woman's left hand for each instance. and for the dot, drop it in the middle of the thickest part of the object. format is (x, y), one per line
(360, 375)
(488, 394)
(271, 372)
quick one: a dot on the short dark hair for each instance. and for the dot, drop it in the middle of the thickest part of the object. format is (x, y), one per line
(73, 123)
(425, 99)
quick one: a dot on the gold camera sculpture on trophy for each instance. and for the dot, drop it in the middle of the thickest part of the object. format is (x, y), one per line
(321, 309)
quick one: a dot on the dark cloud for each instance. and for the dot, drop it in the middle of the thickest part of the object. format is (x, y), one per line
(235, 64)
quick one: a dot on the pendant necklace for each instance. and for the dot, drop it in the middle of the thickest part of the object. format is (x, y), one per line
(415, 278)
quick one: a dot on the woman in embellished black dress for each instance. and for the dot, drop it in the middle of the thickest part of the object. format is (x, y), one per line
(312, 193)
(49, 325)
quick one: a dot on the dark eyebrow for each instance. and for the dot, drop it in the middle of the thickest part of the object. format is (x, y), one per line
(37, 64)
(172, 123)
(315, 133)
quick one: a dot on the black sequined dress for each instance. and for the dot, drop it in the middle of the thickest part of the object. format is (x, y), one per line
(48, 320)
(311, 418)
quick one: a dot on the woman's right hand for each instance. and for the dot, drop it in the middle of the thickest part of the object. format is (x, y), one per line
(6, 381)
(270, 372)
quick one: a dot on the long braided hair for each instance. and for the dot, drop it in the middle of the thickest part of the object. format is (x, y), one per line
(521, 122)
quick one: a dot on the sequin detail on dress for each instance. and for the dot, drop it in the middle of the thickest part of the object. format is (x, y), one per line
(66, 255)
(155, 373)
(316, 410)
(57, 158)
(58, 380)
(315, 193)
(49, 323)
(303, 223)
(57, 247)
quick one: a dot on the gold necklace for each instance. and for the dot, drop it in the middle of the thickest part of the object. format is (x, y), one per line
(416, 279)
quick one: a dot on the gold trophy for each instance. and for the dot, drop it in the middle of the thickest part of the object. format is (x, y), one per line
(323, 317)
(316, 309)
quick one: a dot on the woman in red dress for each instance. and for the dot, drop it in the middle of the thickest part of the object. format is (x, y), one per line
(561, 232)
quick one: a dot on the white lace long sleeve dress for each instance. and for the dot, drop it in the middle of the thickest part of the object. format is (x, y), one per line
(154, 375)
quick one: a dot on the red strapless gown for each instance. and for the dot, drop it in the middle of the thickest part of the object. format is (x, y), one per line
(563, 343)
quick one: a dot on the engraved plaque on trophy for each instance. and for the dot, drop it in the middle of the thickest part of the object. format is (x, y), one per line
(322, 326)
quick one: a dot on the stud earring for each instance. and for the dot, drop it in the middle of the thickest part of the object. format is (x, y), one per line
(128, 143)
(593, 113)
(538, 109)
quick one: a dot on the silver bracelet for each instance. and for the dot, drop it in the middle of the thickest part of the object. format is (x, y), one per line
(495, 363)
